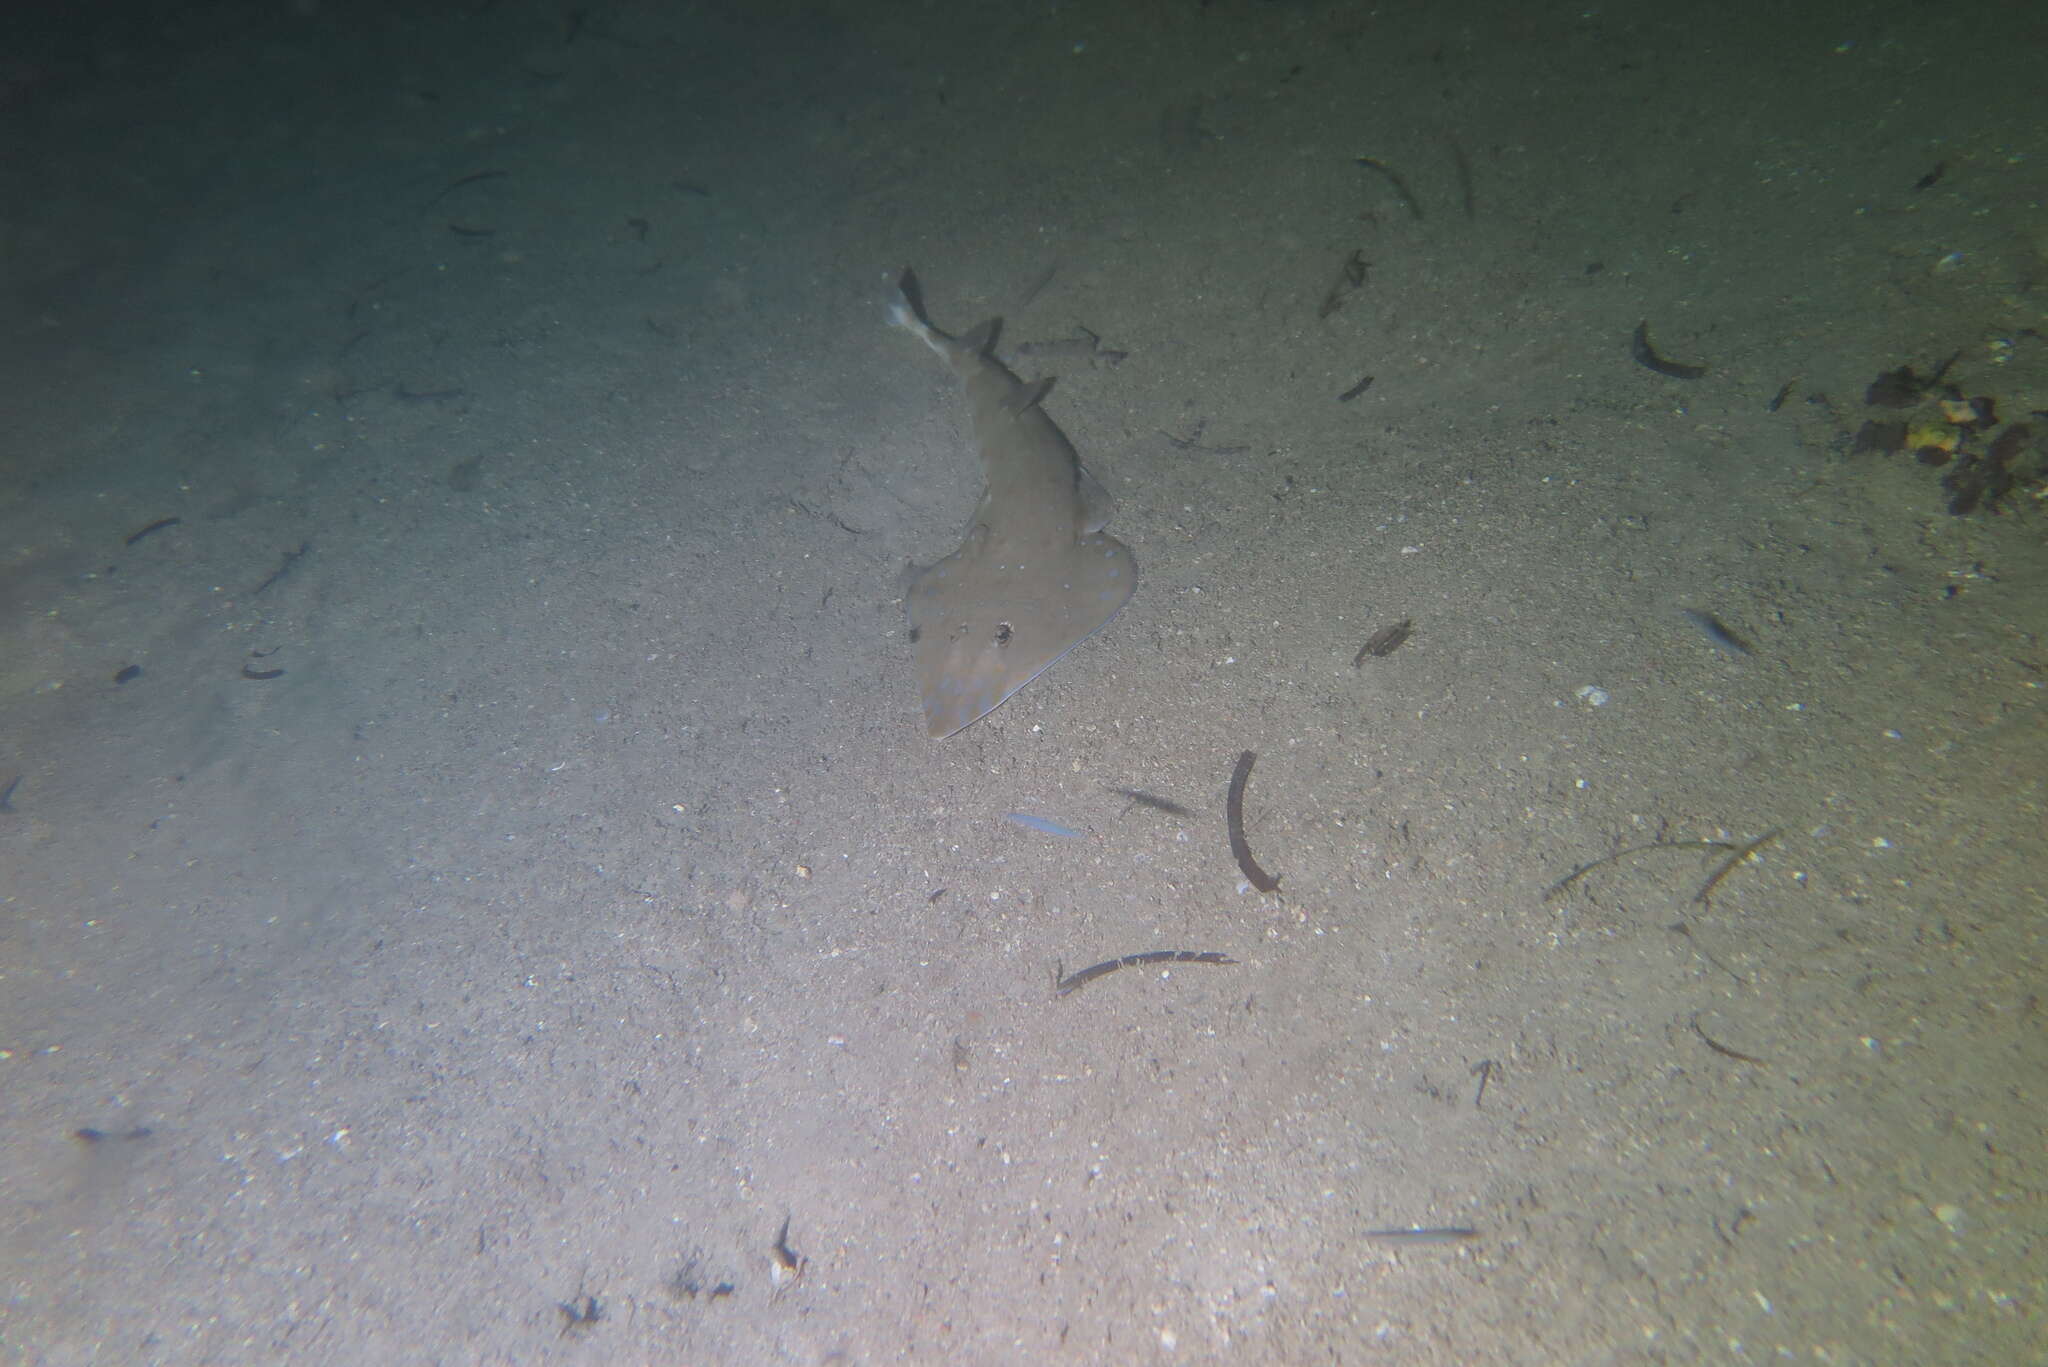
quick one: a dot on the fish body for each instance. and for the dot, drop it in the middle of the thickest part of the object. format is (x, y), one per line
(1035, 574)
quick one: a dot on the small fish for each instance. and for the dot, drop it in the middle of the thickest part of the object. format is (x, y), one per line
(1716, 631)
(1424, 1234)
(1039, 823)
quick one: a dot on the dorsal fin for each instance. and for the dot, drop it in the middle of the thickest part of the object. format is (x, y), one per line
(982, 339)
(1030, 395)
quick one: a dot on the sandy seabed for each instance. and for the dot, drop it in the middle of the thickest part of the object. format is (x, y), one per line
(475, 888)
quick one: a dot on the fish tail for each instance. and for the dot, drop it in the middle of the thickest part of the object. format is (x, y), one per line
(906, 310)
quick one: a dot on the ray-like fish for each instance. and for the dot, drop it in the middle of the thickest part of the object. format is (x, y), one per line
(1035, 574)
